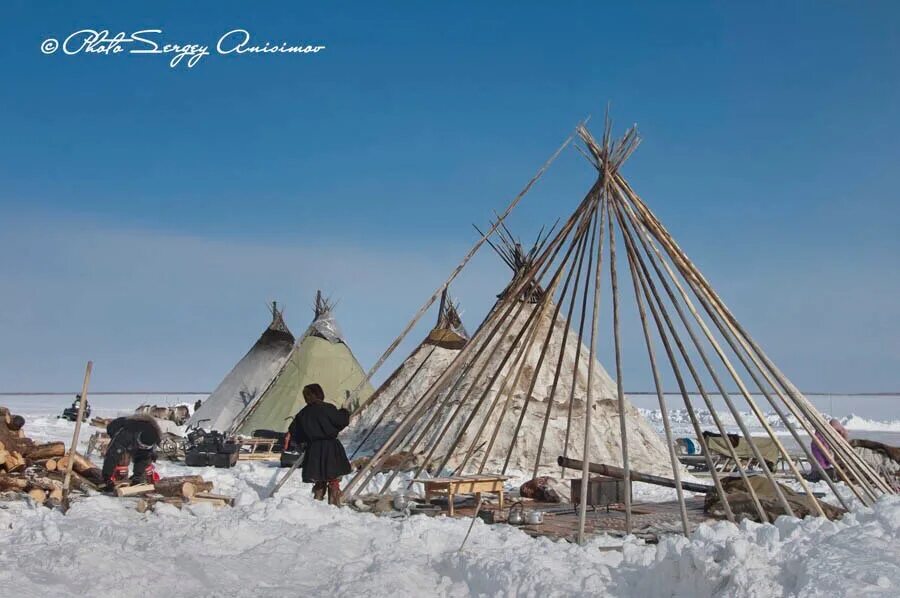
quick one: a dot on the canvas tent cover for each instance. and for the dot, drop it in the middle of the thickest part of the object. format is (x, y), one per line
(646, 449)
(247, 381)
(322, 357)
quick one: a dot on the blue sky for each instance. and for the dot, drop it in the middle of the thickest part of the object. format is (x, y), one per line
(148, 213)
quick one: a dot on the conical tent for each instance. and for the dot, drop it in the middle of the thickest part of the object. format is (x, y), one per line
(247, 380)
(322, 357)
(479, 424)
(689, 335)
(397, 395)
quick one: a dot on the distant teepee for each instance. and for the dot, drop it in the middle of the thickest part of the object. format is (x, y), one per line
(246, 382)
(398, 394)
(322, 357)
(523, 415)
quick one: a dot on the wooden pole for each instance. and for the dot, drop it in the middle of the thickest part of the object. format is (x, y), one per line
(694, 374)
(752, 404)
(294, 466)
(620, 390)
(617, 472)
(578, 347)
(706, 360)
(74, 446)
(562, 351)
(533, 323)
(715, 317)
(676, 466)
(588, 403)
(587, 221)
(396, 397)
(701, 287)
(542, 263)
(437, 293)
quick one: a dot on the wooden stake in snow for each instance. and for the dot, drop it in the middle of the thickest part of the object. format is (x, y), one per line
(71, 461)
(289, 473)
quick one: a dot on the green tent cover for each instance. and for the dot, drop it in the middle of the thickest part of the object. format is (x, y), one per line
(329, 364)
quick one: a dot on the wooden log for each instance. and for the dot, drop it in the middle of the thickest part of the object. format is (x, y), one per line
(3, 455)
(83, 483)
(80, 464)
(50, 464)
(180, 479)
(179, 487)
(44, 483)
(39, 496)
(55, 497)
(93, 475)
(148, 503)
(8, 482)
(15, 462)
(135, 490)
(46, 451)
(636, 476)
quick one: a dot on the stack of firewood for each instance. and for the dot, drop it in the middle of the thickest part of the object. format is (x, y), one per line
(37, 470)
(178, 491)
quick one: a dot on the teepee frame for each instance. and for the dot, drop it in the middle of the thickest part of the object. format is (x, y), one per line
(679, 312)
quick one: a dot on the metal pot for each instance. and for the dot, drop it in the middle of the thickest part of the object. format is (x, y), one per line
(534, 517)
(516, 515)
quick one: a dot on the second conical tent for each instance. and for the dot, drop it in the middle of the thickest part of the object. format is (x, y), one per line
(322, 356)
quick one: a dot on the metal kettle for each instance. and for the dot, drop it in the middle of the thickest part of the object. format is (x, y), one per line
(516, 515)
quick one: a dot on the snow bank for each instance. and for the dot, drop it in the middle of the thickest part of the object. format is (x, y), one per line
(292, 545)
(855, 422)
(681, 423)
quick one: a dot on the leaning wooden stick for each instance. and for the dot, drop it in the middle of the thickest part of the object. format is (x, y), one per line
(71, 460)
(474, 517)
(289, 473)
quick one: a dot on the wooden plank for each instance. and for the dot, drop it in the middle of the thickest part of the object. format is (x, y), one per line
(135, 490)
(216, 502)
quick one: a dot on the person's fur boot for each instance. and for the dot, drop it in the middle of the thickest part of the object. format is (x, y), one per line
(334, 493)
(319, 490)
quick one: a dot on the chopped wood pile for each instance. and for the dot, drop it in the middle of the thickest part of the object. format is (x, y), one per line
(177, 491)
(30, 469)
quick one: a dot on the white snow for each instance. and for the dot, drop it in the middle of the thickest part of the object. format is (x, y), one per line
(855, 422)
(291, 545)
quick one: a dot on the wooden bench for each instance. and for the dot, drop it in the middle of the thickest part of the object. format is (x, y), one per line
(466, 484)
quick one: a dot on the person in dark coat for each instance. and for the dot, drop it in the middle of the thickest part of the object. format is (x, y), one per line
(316, 427)
(132, 439)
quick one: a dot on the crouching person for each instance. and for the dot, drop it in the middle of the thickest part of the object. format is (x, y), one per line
(133, 440)
(316, 427)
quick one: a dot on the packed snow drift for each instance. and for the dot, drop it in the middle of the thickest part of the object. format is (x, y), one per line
(291, 545)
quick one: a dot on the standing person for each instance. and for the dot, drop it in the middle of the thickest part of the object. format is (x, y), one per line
(316, 427)
(133, 439)
(824, 457)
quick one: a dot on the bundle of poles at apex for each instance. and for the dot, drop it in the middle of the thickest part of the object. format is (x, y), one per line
(701, 341)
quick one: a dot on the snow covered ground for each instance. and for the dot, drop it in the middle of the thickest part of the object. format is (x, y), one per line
(291, 545)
